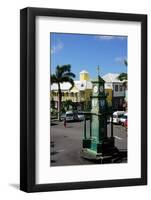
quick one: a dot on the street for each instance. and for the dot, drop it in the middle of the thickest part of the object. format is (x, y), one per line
(66, 143)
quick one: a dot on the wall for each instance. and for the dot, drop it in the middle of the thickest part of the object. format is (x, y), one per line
(9, 99)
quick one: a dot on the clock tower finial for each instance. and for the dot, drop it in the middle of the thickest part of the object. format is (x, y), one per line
(98, 70)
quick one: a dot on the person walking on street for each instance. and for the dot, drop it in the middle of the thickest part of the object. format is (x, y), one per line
(65, 122)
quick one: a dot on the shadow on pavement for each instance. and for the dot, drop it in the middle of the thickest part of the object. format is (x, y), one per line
(53, 124)
(14, 185)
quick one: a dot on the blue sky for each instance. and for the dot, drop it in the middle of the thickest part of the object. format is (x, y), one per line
(86, 52)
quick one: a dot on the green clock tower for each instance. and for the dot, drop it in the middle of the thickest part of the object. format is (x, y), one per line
(96, 144)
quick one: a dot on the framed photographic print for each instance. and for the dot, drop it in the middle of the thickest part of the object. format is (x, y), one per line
(83, 99)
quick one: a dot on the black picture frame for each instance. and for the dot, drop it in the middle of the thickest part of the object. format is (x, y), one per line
(28, 98)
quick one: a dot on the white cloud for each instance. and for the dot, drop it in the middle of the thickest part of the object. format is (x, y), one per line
(109, 37)
(58, 47)
(104, 37)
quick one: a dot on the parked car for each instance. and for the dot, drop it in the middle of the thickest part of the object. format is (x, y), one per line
(71, 116)
(63, 115)
(123, 119)
(117, 115)
(80, 115)
(126, 123)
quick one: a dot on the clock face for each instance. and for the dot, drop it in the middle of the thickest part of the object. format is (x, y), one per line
(95, 89)
(101, 88)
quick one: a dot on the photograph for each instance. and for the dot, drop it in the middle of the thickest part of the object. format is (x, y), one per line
(88, 99)
(83, 94)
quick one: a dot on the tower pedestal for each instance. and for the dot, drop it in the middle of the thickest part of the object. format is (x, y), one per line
(105, 150)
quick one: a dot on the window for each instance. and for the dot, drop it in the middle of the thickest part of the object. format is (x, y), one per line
(121, 88)
(116, 88)
(53, 93)
(82, 93)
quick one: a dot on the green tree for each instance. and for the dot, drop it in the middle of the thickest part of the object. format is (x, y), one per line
(67, 104)
(123, 76)
(63, 74)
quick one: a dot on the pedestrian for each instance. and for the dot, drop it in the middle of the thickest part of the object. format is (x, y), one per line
(65, 122)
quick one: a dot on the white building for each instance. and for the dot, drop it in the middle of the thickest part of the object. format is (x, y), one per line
(115, 89)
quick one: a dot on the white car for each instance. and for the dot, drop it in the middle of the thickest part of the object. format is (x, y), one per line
(123, 118)
(116, 116)
(71, 116)
(80, 116)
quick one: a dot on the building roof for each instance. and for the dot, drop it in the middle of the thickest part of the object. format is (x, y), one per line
(64, 86)
(84, 84)
(84, 72)
(80, 85)
(111, 78)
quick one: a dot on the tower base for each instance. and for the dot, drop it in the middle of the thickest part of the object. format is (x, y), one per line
(100, 157)
(103, 152)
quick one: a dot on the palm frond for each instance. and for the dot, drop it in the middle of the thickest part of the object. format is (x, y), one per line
(69, 74)
(53, 79)
(125, 62)
(122, 76)
(65, 68)
(60, 70)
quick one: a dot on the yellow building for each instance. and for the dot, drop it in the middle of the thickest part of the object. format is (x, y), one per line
(79, 94)
(84, 76)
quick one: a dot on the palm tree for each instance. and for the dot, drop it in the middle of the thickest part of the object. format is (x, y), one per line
(67, 104)
(63, 74)
(122, 76)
